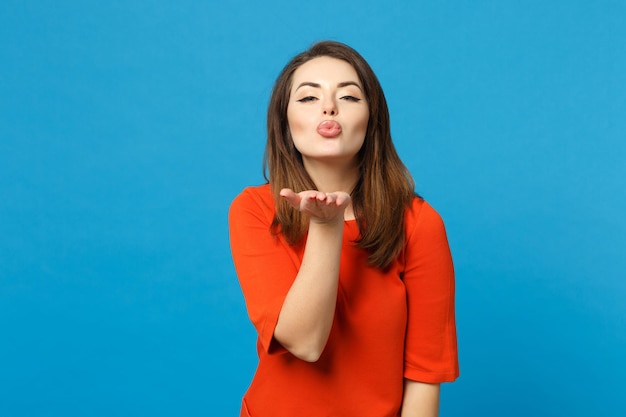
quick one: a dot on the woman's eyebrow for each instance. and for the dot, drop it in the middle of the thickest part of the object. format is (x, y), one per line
(347, 83)
(309, 84)
(340, 85)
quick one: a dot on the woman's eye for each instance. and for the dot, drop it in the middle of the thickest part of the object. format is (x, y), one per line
(351, 98)
(306, 99)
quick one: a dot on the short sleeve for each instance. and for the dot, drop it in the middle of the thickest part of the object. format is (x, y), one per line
(431, 343)
(265, 264)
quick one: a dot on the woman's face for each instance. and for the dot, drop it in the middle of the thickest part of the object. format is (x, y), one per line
(327, 111)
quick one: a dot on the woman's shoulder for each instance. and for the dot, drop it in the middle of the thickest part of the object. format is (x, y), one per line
(258, 197)
(256, 191)
(422, 215)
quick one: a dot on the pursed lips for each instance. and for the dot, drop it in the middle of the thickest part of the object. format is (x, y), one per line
(329, 128)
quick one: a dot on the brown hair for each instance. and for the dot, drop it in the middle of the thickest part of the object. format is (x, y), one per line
(385, 187)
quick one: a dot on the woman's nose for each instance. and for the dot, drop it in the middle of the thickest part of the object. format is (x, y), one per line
(329, 107)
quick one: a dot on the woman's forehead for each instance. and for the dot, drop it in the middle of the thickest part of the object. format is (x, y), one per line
(325, 70)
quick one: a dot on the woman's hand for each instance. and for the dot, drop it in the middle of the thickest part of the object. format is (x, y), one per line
(307, 314)
(321, 207)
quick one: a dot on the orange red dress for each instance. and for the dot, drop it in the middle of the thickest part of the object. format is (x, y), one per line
(389, 325)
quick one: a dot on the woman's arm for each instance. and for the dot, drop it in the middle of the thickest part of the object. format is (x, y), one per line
(307, 313)
(420, 399)
(430, 350)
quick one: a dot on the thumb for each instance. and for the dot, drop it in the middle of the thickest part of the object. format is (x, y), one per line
(292, 198)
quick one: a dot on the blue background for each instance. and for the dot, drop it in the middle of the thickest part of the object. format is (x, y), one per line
(127, 127)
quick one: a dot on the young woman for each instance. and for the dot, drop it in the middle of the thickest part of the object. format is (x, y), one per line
(346, 272)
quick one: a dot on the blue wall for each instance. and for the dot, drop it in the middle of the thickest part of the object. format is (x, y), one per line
(126, 128)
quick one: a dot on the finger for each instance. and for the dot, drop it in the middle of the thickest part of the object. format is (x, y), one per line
(292, 198)
(342, 199)
(307, 194)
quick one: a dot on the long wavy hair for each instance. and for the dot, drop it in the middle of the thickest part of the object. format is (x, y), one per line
(385, 187)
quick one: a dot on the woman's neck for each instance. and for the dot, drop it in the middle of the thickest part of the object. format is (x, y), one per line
(330, 176)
